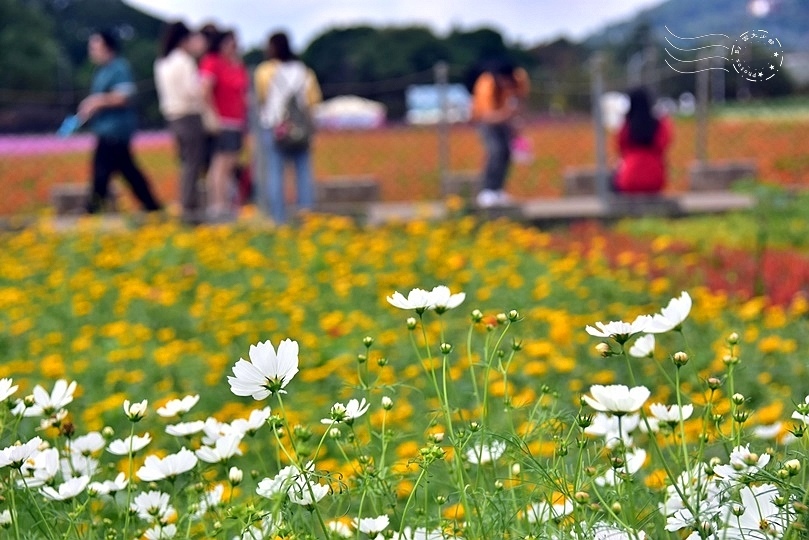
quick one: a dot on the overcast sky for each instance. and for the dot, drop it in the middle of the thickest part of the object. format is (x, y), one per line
(526, 21)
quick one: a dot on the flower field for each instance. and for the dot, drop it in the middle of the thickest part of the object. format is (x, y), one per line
(405, 159)
(328, 406)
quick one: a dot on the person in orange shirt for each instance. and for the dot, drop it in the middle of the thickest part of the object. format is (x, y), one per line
(497, 98)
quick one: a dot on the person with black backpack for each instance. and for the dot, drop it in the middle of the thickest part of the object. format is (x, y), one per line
(287, 90)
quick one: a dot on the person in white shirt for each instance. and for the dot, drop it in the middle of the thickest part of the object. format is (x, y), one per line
(180, 94)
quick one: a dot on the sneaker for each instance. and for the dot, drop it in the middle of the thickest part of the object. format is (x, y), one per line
(503, 198)
(487, 198)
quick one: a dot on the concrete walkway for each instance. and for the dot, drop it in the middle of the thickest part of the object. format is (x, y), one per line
(537, 211)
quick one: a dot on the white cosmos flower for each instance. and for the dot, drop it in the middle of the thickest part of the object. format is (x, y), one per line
(371, 526)
(417, 299)
(634, 461)
(802, 413)
(761, 520)
(5, 518)
(620, 331)
(742, 462)
(171, 466)
(88, 444)
(135, 411)
(40, 469)
(421, 533)
(606, 426)
(135, 443)
(210, 500)
(185, 429)
(542, 512)
(108, 487)
(486, 453)
(617, 398)
(153, 506)
(606, 531)
(267, 372)
(7, 389)
(177, 407)
(225, 448)
(671, 316)
(213, 430)
(643, 347)
(67, 490)
(45, 403)
(160, 532)
(250, 425)
(767, 432)
(301, 487)
(346, 413)
(671, 414)
(441, 299)
(338, 528)
(77, 465)
(16, 455)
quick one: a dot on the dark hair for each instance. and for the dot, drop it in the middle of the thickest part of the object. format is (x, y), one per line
(110, 40)
(278, 47)
(173, 35)
(642, 123)
(218, 39)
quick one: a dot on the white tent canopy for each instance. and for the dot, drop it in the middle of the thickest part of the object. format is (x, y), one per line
(350, 112)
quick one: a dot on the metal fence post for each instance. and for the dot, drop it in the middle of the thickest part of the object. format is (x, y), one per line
(596, 90)
(701, 138)
(441, 76)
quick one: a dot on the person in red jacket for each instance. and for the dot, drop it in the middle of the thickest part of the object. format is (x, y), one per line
(642, 144)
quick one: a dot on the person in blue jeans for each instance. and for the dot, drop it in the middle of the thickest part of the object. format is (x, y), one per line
(111, 116)
(277, 79)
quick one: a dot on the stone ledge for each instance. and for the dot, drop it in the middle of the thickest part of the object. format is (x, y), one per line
(71, 199)
(719, 175)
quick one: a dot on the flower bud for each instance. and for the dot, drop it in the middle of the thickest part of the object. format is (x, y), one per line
(737, 398)
(387, 403)
(782, 474)
(515, 469)
(584, 420)
(730, 360)
(411, 323)
(793, 466)
(235, 476)
(440, 499)
(335, 433)
(445, 348)
(714, 383)
(603, 349)
(513, 315)
(516, 345)
(382, 362)
(501, 318)
(367, 341)
(733, 338)
(29, 400)
(581, 497)
(680, 359)
(474, 426)
(361, 358)
(477, 316)
(741, 416)
(437, 437)
(498, 485)
(135, 411)
(737, 510)
(616, 507)
(107, 432)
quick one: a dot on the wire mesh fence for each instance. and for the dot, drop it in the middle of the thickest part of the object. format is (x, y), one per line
(407, 160)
